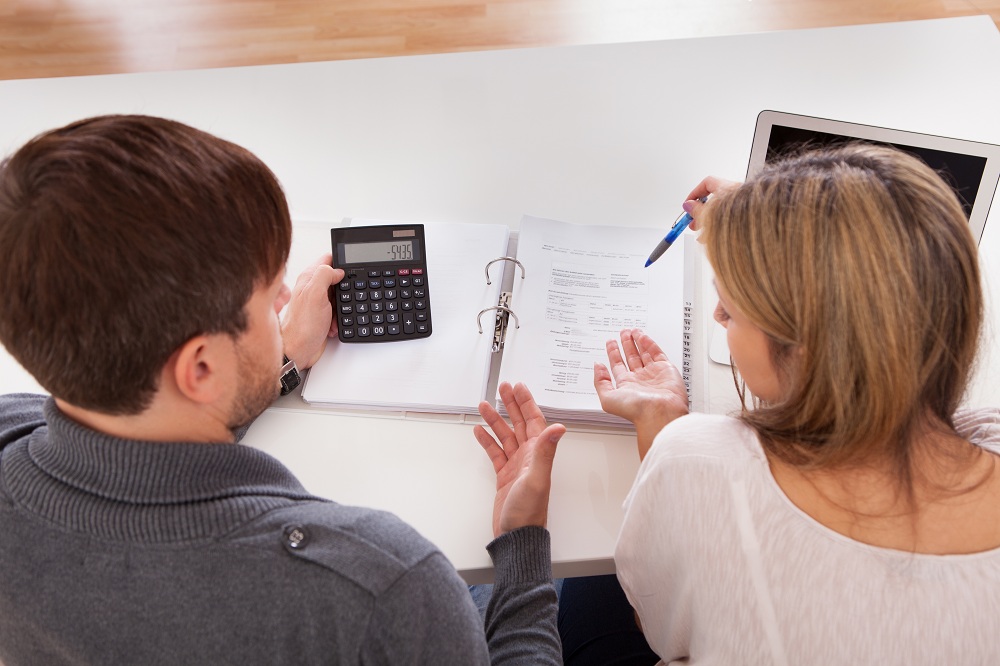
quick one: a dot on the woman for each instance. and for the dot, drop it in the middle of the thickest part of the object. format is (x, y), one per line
(853, 514)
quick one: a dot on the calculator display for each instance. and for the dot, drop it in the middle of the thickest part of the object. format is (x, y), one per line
(381, 252)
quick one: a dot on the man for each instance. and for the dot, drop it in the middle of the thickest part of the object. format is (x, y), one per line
(142, 283)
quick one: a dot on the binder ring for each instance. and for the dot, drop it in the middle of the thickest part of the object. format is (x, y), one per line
(503, 308)
(503, 259)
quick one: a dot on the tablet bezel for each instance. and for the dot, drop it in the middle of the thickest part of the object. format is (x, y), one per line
(768, 119)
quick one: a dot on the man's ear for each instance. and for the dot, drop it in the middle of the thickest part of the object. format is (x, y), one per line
(201, 367)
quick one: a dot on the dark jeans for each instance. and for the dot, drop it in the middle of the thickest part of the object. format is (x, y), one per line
(596, 623)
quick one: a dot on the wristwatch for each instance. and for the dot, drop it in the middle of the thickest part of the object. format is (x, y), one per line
(289, 376)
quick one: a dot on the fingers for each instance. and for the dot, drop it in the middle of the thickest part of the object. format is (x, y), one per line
(649, 351)
(495, 422)
(545, 450)
(632, 355)
(709, 185)
(493, 450)
(529, 411)
(602, 381)
(516, 419)
(526, 418)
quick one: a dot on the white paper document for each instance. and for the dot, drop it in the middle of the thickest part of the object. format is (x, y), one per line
(583, 285)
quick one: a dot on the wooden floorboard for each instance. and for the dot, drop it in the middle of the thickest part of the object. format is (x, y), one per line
(43, 38)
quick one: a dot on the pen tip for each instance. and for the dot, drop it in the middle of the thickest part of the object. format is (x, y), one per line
(648, 262)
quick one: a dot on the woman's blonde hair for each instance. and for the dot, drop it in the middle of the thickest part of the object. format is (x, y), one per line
(859, 265)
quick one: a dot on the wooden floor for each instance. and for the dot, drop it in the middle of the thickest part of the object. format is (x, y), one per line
(41, 38)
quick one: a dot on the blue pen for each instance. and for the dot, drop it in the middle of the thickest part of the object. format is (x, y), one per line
(680, 225)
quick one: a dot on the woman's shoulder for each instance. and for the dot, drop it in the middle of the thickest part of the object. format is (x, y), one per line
(979, 426)
(707, 436)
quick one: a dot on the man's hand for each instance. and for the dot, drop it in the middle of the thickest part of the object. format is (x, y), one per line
(308, 320)
(647, 388)
(522, 459)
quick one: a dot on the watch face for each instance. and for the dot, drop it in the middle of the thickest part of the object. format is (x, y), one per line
(290, 378)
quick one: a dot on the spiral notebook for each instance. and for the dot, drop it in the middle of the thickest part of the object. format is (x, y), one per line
(536, 306)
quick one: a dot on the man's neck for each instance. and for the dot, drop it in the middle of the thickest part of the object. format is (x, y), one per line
(157, 423)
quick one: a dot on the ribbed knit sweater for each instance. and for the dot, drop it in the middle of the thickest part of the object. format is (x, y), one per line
(115, 551)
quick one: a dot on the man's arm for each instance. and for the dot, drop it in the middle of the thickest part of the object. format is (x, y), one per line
(521, 625)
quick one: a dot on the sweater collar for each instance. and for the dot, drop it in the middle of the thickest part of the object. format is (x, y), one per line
(142, 472)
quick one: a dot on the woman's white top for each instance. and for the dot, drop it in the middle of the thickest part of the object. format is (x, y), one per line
(724, 569)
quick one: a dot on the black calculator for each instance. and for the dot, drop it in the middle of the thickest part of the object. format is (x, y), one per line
(384, 296)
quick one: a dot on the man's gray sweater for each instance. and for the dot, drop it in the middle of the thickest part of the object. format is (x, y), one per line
(124, 552)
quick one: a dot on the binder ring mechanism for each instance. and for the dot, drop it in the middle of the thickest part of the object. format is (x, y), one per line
(502, 309)
(503, 259)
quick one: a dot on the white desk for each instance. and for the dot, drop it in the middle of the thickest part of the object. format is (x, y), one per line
(593, 134)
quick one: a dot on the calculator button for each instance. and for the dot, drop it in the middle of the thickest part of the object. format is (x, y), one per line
(419, 293)
(389, 294)
(422, 316)
(378, 318)
(360, 284)
(361, 308)
(417, 271)
(346, 284)
(392, 318)
(408, 325)
(391, 306)
(393, 329)
(347, 321)
(376, 306)
(347, 333)
(388, 272)
(403, 271)
(374, 284)
(418, 282)
(406, 305)
(362, 320)
(361, 295)
(404, 282)
(374, 274)
(345, 297)
(378, 330)
(346, 309)
(375, 295)
(406, 293)
(422, 327)
(389, 283)
(420, 304)
(364, 331)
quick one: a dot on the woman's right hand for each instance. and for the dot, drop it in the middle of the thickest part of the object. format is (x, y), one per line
(647, 389)
(708, 186)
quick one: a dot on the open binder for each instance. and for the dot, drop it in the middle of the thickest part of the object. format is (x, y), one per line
(535, 307)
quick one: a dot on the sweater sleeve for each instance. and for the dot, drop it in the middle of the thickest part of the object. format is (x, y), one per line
(521, 619)
(20, 415)
(426, 617)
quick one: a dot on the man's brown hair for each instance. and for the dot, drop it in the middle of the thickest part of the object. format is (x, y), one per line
(123, 237)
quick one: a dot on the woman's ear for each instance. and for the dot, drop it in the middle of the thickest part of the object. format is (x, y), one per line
(203, 366)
